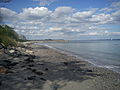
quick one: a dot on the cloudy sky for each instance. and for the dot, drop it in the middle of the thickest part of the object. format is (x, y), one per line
(63, 19)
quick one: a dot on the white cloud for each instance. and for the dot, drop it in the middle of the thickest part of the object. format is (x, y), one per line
(62, 11)
(101, 18)
(8, 14)
(114, 33)
(115, 4)
(35, 13)
(61, 22)
(84, 14)
(116, 16)
(113, 7)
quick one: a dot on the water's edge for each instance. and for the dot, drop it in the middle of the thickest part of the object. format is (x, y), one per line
(78, 57)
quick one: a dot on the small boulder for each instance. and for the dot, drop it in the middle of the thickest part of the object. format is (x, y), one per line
(89, 70)
(2, 45)
(46, 69)
(39, 73)
(0, 83)
(12, 51)
(43, 79)
(65, 63)
(3, 70)
(31, 78)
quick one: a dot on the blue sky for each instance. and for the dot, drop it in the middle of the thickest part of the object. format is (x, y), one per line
(17, 5)
(63, 19)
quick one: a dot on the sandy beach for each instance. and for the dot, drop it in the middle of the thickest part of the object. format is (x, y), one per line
(39, 67)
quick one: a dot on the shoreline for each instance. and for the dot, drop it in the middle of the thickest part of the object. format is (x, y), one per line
(39, 67)
(78, 57)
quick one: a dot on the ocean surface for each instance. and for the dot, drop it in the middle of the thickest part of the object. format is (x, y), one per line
(100, 53)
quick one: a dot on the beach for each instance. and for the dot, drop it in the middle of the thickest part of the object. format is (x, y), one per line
(38, 67)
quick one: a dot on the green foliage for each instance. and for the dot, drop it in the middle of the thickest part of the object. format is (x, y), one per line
(8, 31)
(8, 36)
(7, 41)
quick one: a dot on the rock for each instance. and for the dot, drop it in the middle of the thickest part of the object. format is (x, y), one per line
(65, 63)
(10, 71)
(31, 65)
(33, 70)
(39, 73)
(0, 83)
(13, 64)
(31, 78)
(5, 63)
(11, 51)
(6, 51)
(17, 60)
(2, 45)
(46, 69)
(29, 51)
(43, 79)
(3, 70)
(89, 70)
(1, 52)
(29, 60)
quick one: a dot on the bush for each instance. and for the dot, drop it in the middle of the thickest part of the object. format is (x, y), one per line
(7, 41)
(8, 36)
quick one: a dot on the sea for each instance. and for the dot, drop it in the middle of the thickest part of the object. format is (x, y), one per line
(102, 53)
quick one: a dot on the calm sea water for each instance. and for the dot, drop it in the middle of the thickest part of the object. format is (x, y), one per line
(101, 53)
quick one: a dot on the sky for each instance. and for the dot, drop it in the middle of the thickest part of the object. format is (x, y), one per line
(63, 19)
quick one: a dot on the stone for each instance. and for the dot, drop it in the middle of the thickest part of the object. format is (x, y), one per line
(29, 51)
(46, 69)
(3, 70)
(12, 51)
(43, 79)
(65, 63)
(31, 77)
(0, 83)
(39, 73)
(2, 45)
(89, 70)
(5, 63)
(29, 84)
(31, 65)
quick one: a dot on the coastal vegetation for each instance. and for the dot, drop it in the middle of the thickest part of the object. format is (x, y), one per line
(8, 36)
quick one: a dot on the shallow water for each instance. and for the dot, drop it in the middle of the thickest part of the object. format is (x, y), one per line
(101, 53)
